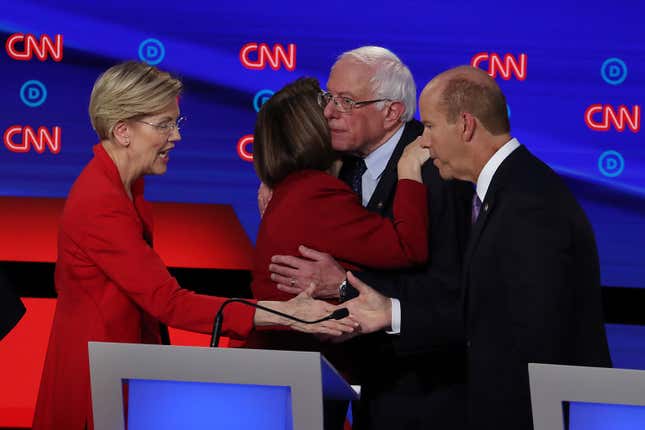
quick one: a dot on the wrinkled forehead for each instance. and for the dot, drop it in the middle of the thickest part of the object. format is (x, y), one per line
(350, 78)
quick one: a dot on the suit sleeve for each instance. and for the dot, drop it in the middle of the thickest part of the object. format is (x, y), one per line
(114, 243)
(350, 233)
(431, 297)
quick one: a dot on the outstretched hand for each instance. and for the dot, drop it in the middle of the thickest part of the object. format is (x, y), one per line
(371, 309)
(305, 307)
(318, 269)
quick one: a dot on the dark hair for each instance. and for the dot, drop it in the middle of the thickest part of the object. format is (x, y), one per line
(291, 133)
(484, 101)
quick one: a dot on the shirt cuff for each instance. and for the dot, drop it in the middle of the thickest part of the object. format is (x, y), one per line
(396, 317)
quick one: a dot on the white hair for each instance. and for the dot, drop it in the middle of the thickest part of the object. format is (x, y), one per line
(392, 79)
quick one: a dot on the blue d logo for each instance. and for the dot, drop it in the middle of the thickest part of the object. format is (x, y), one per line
(611, 164)
(33, 93)
(152, 51)
(613, 71)
(261, 97)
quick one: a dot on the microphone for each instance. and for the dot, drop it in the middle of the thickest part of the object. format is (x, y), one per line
(217, 324)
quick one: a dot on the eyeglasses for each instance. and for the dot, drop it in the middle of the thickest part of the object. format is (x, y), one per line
(166, 127)
(342, 103)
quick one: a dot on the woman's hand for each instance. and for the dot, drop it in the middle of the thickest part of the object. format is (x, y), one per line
(414, 156)
(305, 307)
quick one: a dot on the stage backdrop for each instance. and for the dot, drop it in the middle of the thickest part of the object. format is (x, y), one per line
(574, 76)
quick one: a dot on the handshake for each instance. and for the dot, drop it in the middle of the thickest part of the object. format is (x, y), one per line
(368, 312)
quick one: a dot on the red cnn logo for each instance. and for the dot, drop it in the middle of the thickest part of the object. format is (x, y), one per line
(609, 115)
(22, 47)
(30, 138)
(242, 147)
(265, 55)
(504, 68)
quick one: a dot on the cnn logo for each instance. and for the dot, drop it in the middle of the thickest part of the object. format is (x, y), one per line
(505, 67)
(243, 145)
(21, 139)
(23, 47)
(256, 56)
(600, 117)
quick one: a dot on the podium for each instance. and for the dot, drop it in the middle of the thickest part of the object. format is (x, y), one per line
(611, 398)
(196, 387)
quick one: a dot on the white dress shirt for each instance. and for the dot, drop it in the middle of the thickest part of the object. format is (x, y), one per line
(491, 166)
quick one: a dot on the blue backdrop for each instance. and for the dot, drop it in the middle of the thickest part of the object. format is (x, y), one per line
(575, 66)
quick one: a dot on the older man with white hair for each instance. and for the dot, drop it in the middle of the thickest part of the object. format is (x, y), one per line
(369, 105)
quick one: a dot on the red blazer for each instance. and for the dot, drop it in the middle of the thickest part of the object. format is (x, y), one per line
(113, 287)
(315, 209)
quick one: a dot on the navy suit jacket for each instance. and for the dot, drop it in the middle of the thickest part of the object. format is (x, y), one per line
(532, 290)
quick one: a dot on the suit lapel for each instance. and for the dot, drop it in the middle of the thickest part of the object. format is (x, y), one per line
(144, 210)
(490, 201)
(379, 201)
(477, 228)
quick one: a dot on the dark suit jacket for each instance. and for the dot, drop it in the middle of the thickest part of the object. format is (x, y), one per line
(532, 290)
(11, 308)
(421, 383)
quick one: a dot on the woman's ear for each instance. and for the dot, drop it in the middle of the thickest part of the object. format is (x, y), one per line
(121, 133)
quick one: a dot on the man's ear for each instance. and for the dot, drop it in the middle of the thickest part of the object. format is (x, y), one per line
(121, 133)
(469, 124)
(394, 111)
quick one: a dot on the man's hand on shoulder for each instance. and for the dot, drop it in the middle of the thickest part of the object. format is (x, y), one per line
(295, 274)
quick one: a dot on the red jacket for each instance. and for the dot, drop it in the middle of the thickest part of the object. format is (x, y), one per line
(112, 287)
(319, 211)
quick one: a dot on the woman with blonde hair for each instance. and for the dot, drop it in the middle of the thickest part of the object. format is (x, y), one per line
(112, 286)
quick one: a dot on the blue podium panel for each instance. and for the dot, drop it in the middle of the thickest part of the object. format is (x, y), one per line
(160, 405)
(602, 416)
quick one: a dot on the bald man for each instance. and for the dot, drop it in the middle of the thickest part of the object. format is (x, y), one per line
(531, 277)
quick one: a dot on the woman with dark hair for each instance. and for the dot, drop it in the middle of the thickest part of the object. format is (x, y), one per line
(310, 206)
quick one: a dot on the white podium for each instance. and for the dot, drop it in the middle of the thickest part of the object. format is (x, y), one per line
(195, 387)
(552, 385)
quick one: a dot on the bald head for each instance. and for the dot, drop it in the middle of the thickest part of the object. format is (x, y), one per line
(468, 89)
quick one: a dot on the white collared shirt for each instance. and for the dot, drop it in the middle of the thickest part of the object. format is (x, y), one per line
(483, 182)
(491, 166)
(376, 163)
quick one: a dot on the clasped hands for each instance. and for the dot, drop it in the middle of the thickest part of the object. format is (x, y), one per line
(318, 275)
